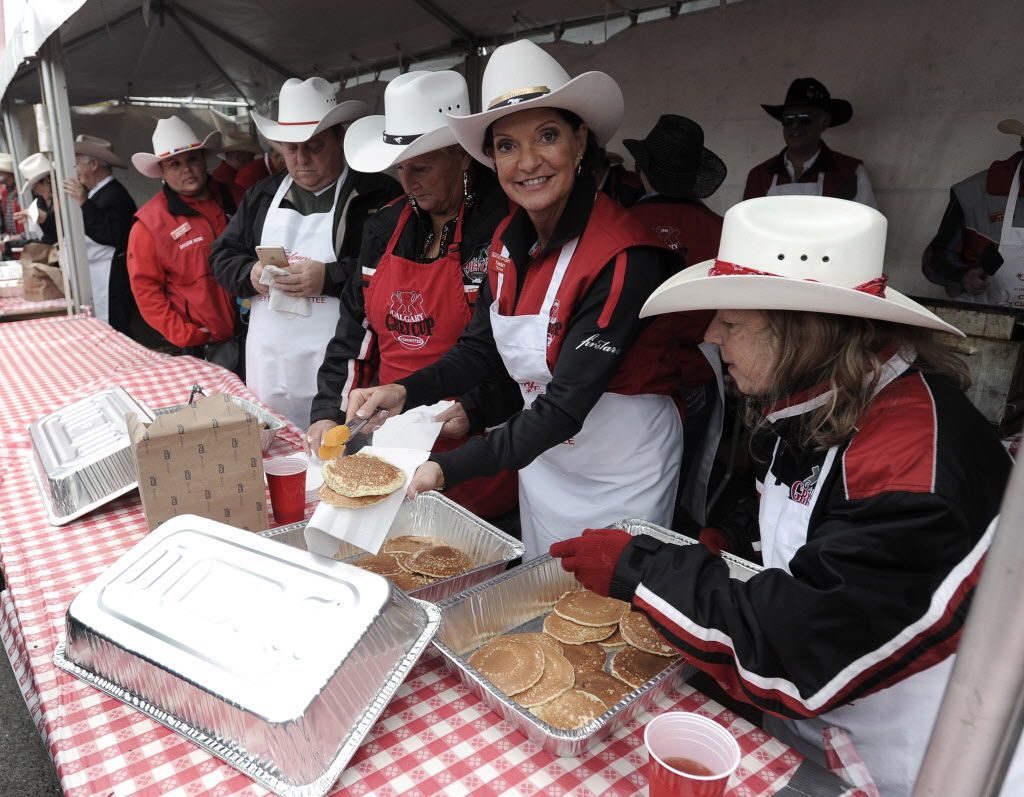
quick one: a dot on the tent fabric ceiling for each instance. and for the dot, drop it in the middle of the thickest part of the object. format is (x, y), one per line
(111, 52)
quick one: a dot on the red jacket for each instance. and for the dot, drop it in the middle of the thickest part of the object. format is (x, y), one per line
(168, 251)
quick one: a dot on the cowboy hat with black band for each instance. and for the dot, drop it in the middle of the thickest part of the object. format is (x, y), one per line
(808, 91)
(520, 75)
(675, 161)
(305, 108)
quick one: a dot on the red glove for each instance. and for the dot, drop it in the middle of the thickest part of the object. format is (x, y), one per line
(592, 557)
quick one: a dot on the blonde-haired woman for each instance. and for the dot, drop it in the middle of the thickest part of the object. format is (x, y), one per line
(878, 484)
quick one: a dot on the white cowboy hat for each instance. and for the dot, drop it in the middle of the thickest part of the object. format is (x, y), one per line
(521, 75)
(33, 169)
(1013, 127)
(172, 137)
(232, 141)
(99, 148)
(808, 253)
(6, 163)
(304, 108)
(415, 105)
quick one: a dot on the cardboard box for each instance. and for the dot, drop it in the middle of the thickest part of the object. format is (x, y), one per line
(202, 460)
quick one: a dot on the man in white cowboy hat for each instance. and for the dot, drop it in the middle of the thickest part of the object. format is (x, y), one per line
(315, 211)
(39, 217)
(8, 198)
(169, 247)
(978, 252)
(237, 150)
(807, 166)
(875, 505)
(107, 211)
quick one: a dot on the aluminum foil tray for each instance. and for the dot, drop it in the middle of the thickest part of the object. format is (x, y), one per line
(268, 423)
(275, 660)
(82, 454)
(433, 515)
(516, 602)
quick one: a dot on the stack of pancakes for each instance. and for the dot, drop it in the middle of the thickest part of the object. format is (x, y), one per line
(412, 562)
(560, 675)
(359, 481)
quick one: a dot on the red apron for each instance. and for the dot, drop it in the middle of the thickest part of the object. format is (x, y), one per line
(418, 312)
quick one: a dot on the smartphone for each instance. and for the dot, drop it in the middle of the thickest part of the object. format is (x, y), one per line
(272, 256)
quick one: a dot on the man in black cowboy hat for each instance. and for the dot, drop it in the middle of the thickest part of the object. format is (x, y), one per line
(807, 166)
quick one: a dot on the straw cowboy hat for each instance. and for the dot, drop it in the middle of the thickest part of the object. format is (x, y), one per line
(808, 253)
(172, 137)
(306, 107)
(33, 169)
(232, 141)
(6, 163)
(675, 160)
(98, 148)
(1013, 127)
(808, 91)
(521, 75)
(414, 123)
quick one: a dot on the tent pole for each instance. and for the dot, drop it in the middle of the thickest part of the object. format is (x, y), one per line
(13, 131)
(55, 95)
(982, 712)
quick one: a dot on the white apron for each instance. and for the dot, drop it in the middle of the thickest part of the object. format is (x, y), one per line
(1006, 286)
(284, 351)
(797, 189)
(99, 256)
(623, 463)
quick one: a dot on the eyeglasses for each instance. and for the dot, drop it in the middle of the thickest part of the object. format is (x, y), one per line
(802, 119)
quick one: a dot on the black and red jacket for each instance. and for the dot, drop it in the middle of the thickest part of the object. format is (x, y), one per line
(839, 170)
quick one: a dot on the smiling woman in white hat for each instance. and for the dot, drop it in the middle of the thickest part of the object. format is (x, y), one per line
(422, 261)
(315, 210)
(169, 247)
(877, 482)
(599, 437)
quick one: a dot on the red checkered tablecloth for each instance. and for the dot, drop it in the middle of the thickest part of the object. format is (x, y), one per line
(15, 306)
(434, 737)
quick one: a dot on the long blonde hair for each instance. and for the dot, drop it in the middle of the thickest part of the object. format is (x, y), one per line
(842, 352)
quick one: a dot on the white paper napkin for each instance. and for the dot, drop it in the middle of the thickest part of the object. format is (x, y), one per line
(365, 528)
(32, 229)
(413, 429)
(281, 301)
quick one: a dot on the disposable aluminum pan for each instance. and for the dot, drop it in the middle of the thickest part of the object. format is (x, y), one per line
(269, 425)
(276, 661)
(517, 602)
(82, 455)
(433, 515)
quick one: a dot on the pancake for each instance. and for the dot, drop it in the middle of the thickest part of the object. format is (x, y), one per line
(602, 685)
(584, 657)
(513, 666)
(637, 667)
(328, 496)
(558, 678)
(614, 642)
(549, 643)
(383, 564)
(573, 633)
(570, 710)
(410, 544)
(638, 631)
(441, 561)
(360, 475)
(588, 608)
(409, 581)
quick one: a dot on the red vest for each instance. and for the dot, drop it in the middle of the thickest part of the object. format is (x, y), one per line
(689, 228)
(183, 245)
(840, 174)
(654, 362)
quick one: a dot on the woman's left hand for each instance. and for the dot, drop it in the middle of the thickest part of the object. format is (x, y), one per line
(455, 420)
(428, 476)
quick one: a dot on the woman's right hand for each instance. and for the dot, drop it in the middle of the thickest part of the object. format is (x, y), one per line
(311, 442)
(364, 402)
(455, 421)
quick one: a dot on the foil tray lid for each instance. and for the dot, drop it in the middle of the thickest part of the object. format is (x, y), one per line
(85, 432)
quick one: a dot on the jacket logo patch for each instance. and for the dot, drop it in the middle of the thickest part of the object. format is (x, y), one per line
(668, 236)
(186, 244)
(500, 262)
(475, 268)
(180, 230)
(407, 320)
(554, 325)
(802, 491)
(594, 342)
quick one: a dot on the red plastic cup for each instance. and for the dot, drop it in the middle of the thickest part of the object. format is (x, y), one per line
(286, 478)
(690, 755)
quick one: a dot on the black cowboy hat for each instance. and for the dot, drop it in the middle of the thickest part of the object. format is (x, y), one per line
(808, 91)
(675, 160)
